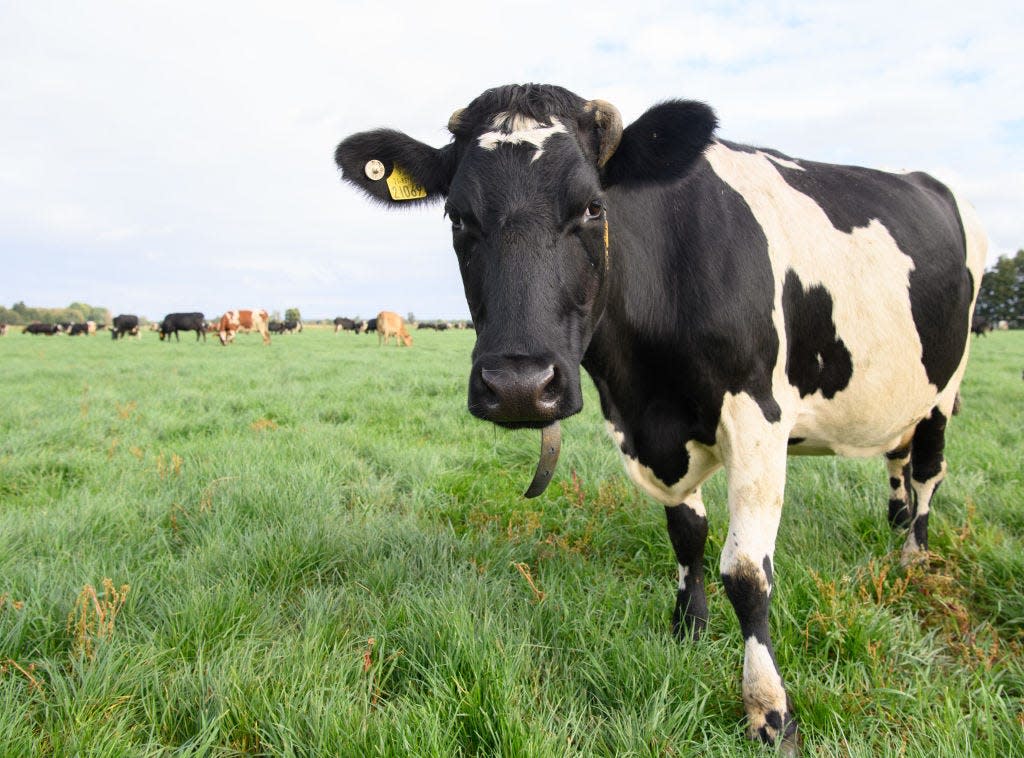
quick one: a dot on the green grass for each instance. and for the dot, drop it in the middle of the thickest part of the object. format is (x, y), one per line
(322, 548)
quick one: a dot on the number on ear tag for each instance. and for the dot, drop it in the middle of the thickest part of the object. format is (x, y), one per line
(403, 187)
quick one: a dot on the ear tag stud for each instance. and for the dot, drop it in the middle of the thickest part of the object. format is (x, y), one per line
(374, 170)
(404, 187)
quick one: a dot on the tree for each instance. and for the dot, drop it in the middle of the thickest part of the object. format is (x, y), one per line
(292, 314)
(1002, 291)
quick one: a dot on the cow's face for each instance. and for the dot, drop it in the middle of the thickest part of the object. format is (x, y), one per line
(523, 184)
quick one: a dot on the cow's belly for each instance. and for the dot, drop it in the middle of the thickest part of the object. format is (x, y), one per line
(872, 415)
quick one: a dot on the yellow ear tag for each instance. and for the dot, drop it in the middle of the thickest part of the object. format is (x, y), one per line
(403, 187)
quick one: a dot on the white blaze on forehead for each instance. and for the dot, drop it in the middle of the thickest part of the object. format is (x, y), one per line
(514, 129)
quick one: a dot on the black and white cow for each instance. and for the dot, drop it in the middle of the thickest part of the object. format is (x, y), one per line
(340, 322)
(732, 305)
(38, 328)
(183, 322)
(123, 324)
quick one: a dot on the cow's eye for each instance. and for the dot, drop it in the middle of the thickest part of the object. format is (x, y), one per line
(594, 210)
(457, 223)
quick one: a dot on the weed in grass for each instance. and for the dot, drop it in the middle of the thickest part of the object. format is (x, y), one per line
(92, 619)
(28, 672)
(524, 571)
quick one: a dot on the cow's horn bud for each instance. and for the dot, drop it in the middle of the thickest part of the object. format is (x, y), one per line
(609, 120)
(453, 122)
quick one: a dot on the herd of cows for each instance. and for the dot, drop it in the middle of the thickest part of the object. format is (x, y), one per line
(387, 324)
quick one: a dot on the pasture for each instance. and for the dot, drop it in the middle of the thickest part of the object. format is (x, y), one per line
(313, 549)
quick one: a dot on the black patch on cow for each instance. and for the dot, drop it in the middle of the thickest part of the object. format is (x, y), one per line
(899, 513)
(688, 531)
(689, 318)
(785, 727)
(894, 483)
(796, 441)
(816, 359)
(920, 528)
(751, 605)
(766, 564)
(921, 215)
(898, 453)
(926, 452)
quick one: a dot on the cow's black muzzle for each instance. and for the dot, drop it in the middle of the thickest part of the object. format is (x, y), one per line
(518, 391)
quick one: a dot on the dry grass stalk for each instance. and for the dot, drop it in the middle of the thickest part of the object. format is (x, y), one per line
(33, 683)
(93, 617)
(524, 569)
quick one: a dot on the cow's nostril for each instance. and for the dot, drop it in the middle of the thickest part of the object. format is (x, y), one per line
(495, 380)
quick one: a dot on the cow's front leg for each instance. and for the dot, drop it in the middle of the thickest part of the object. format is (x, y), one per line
(688, 531)
(756, 465)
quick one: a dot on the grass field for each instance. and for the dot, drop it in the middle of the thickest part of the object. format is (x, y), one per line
(312, 549)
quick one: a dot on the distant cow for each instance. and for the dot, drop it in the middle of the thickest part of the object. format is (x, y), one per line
(356, 326)
(981, 327)
(369, 327)
(389, 325)
(439, 326)
(182, 322)
(276, 327)
(77, 329)
(291, 325)
(3, 329)
(236, 321)
(124, 324)
(36, 328)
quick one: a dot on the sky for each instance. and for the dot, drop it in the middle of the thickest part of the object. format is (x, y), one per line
(178, 156)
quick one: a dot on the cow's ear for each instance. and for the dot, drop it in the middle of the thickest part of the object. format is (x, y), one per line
(662, 144)
(394, 168)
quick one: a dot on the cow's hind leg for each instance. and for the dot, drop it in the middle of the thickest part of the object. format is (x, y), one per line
(900, 502)
(927, 470)
(688, 531)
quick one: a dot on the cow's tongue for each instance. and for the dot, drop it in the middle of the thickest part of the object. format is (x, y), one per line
(550, 447)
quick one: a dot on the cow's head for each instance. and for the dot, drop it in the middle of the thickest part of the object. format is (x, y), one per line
(525, 185)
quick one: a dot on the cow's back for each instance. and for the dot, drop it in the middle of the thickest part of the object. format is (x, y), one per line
(874, 277)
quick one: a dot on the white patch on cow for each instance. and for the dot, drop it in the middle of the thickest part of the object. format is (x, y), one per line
(754, 452)
(895, 467)
(703, 463)
(762, 686)
(684, 571)
(515, 129)
(867, 277)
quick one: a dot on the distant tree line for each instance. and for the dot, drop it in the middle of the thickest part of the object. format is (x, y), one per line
(76, 313)
(1002, 292)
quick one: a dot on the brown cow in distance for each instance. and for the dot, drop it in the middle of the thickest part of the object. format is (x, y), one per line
(243, 321)
(390, 324)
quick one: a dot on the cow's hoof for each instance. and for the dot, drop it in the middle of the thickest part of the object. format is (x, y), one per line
(779, 730)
